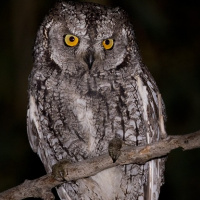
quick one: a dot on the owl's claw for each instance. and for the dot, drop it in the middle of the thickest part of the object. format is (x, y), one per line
(114, 148)
(58, 170)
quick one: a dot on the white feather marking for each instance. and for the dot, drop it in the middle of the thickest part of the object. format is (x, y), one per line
(33, 121)
(144, 96)
(154, 182)
(120, 132)
(104, 84)
(140, 198)
(63, 194)
(130, 135)
(86, 119)
(153, 168)
(112, 178)
(49, 24)
(33, 114)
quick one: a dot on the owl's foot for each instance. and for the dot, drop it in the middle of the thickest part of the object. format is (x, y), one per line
(114, 148)
(58, 170)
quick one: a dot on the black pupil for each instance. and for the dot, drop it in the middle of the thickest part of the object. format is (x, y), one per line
(107, 42)
(71, 39)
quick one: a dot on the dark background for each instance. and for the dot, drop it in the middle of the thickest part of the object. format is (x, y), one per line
(168, 34)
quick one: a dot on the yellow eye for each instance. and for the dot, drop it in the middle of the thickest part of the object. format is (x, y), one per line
(108, 44)
(71, 40)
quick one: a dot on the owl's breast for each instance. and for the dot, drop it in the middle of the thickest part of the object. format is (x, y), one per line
(115, 111)
(85, 115)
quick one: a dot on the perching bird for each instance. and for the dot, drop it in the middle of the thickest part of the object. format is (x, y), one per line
(88, 85)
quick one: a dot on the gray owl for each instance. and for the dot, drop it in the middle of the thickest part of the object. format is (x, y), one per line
(87, 86)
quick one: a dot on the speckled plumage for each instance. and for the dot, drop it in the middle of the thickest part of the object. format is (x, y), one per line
(74, 111)
(114, 148)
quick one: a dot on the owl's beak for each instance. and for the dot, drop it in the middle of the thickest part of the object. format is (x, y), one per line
(89, 59)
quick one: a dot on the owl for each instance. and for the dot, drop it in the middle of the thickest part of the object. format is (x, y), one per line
(87, 87)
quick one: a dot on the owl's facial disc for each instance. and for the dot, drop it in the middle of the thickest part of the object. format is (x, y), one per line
(94, 42)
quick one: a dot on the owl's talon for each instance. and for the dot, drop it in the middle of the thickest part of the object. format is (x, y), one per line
(114, 148)
(58, 170)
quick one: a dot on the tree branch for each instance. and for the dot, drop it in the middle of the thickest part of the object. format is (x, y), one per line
(41, 187)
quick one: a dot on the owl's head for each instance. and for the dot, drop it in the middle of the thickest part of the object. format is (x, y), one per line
(85, 37)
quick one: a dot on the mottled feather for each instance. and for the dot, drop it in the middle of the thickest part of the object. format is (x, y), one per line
(76, 109)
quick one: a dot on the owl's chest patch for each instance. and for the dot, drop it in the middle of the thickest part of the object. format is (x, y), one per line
(85, 117)
(112, 109)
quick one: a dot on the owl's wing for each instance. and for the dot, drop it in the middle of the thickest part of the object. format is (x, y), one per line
(149, 95)
(33, 125)
(35, 135)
